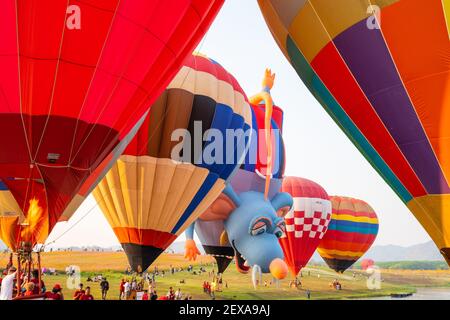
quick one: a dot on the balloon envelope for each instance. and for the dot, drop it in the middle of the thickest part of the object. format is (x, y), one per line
(385, 80)
(251, 175)
(351, 232)
(367, 263)
(306, 224)
(75, 82)
(149, 197)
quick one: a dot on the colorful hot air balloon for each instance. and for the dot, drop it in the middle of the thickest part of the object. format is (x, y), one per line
(76, 80)
(367, 263)
(352, 230)
(380, 69)
(251, 176)
(148, 197)
(306, 224)
(209, 233)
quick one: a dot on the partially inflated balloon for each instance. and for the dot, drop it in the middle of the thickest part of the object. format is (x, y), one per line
(148, 197)
(385, 79)
(306, 224)
(76, 80)
(351, 232)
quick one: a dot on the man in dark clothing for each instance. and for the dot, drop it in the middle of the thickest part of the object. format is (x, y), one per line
(104, 285)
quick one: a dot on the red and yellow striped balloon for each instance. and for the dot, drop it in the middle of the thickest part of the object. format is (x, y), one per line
(351, 232)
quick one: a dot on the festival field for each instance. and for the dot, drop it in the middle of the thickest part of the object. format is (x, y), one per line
(316, 279)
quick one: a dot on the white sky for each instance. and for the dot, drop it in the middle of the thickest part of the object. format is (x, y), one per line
(316, 148)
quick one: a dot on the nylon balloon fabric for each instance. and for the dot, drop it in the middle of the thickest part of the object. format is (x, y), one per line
(76, 82)
(149, 197)
(380, 69)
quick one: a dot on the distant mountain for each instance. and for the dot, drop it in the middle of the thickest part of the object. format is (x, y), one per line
(420, 252)
(391, 253)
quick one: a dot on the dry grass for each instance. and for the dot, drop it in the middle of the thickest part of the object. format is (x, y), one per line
(102, 261)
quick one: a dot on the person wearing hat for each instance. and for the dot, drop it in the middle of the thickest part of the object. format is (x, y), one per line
(7, 287)
(55, 294)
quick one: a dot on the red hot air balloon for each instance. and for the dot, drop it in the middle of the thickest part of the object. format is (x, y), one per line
(307, 223)
(75, 82)
(367, 263)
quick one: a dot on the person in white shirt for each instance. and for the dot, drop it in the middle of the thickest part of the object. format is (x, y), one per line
(7, 288)
(178, 294)
(127, 289)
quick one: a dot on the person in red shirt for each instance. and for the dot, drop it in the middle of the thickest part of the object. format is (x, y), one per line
(87, 295)
(121, 289)
(55, 294)
(29, 289)
(77, 295)
(35, 281)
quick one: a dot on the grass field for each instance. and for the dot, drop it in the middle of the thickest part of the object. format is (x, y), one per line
(315, 279)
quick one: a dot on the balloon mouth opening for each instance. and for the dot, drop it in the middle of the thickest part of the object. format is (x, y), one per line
(446, 253)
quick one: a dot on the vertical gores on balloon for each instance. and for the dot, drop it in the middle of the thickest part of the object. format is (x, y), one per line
(71, 98)
(160, 184)
(387, 87)
(306, 223)
(252, 222)
(351, 232)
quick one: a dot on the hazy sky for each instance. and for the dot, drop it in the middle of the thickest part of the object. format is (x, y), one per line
(316, 148)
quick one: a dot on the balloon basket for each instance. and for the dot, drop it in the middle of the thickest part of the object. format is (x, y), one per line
(26, 264)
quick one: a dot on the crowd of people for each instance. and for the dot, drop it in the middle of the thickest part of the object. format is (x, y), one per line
(132, 288)
(30, 286)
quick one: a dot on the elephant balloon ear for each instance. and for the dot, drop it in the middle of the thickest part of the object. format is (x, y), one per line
(282, 203)
(220, 209)
(283, 211)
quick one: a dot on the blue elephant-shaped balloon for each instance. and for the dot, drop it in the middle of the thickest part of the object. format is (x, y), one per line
(253, 226)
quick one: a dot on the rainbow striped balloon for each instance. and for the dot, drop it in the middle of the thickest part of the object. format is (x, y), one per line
(351, 232)
(381, 69)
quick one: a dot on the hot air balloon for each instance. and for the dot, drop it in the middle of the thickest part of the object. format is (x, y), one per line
(380, 69)
(351, 232)
(209, 233)
(367, 263)
(76, 82)
(306, 224)
(150, 196)
(252, 174)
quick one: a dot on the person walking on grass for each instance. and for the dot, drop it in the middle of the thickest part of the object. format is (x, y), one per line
(127, 289)
(121, 289)
(104, 285)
